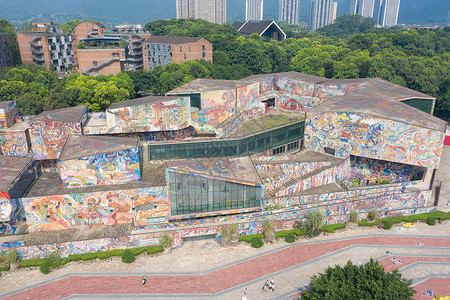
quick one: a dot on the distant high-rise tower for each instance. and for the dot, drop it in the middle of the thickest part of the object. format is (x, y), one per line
(334, 11)
(320, 14)
(386, 12)
(362, 7)
(254, 10)
(210, 10)
(448, 19)
(289, 11)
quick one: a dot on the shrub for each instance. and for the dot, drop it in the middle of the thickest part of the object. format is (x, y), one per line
(88, 256)
(290, 238)
(332, 227)
(373, 214)
(353, 217)
(268, 226)
(74, 257)
(166, 240)
(103, 255)
(31, 263)
(2, 257)
(45, 267)
(248, 238)
(63, 261)
(256, 242)
(128, 256)
(5, 268)
(431, 221)
(387, 224)
(314, 223)
(138, 251)
(154, 249)
(233, 229)
(12, 256)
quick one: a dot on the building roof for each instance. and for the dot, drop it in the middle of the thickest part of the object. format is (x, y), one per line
(4, 104)
(78, 146)
(259, 27)
(142, 101)
(382, 108)
(10, 168)
(70, 114)
(237, 169)
(302, 77)
(172, 40)
(203, 85)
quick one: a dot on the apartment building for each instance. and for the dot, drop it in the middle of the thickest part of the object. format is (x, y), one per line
(49, 50)
(254, 10)
(162, 50)
(214, 11)
(321, 13)
(289, 11)
(6, 57)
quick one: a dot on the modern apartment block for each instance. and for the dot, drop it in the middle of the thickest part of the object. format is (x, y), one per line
(162, 50)
(6, 58)
(386, 12)
(289, 11)
(254, 10)
(214, 11)
(334, 11)
(52, 51)
(93, 47)
(362, 7)
(321, 13)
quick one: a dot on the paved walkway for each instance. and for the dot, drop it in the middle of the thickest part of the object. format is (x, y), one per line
(291, 266)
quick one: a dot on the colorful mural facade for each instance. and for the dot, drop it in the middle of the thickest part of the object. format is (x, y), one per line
(5, 207)
(361, 135)
(234, 122)
(8, 115)
(118, 167)
(217, 106)
(295, 102)
(291, 86)
(327, 176)
(48, 138)
(14, 143)
(369, 171)
(324, 92)
(247, 97)
(160, 116)
(58, 212)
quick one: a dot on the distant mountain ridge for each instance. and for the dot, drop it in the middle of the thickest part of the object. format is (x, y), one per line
(113, 12)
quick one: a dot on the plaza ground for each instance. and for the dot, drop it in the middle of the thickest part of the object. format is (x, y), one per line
(203, 269)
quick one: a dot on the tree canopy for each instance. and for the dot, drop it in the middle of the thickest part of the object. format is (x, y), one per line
(7, 27)
(368, 281)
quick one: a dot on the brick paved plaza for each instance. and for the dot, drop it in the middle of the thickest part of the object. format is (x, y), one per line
(205, 270)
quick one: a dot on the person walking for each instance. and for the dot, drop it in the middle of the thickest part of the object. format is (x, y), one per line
(144, 280)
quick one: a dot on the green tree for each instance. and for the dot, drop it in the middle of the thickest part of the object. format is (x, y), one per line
(7, 27)
(368, 281)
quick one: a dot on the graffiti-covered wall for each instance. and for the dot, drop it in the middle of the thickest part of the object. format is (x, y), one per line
(159, 116)
(57, 212)
(366, 136)
(324, 92)
(234, 122)
(217, 106)
(14, 143)
(295, 102)
(327, 176)
(103, 169)
(292, 86)
(8, 115)
(247, 97)
(5, 207)
(48, 138)
(374, 171)
(275, 175)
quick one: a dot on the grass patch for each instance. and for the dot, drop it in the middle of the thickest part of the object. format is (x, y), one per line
(332, 227)
(389, 221)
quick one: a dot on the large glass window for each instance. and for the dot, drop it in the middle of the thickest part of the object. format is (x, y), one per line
(194, 194)
(229, 148)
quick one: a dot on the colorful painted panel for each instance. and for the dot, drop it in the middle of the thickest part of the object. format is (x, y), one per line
(276, 175)
(5, 207)
(266, 83)
(217, 106)
(108, 207)
(103, 169)
(48, 138)
(376, 138)
(8, 115)
(295, 102)
(327, 176)
(324, 92)
(247, 97)
(13, 143)
(371, 171)
(291, 86)
(160, 116)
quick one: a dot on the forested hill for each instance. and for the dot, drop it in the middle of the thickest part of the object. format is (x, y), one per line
(113, 12)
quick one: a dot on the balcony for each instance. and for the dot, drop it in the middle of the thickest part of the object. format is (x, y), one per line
(38, 58)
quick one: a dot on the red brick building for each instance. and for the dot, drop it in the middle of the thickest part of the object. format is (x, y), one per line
(162, 50)
(6, 57)
(94, 61)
